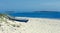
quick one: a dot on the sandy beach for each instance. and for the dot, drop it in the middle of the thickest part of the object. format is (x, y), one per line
(34, 25)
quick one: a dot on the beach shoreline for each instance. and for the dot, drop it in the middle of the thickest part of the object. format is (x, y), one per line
(34, 25)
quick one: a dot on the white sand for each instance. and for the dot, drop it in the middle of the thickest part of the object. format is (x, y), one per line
(34, 25)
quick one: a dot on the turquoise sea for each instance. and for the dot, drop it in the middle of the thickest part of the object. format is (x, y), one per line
(37, 14)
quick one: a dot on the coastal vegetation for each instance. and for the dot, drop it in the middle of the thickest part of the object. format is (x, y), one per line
(14, 25)
(4, 18)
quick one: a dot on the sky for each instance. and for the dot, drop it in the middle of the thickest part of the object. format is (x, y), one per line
(30, 5)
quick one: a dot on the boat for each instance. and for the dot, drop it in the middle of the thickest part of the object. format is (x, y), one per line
(20, 20)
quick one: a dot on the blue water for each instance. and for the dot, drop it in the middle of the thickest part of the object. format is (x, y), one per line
(41, 14)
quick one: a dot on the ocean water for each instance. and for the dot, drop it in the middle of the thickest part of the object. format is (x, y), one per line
(39, 14)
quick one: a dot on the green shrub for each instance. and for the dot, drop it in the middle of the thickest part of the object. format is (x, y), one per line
(13, 25)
